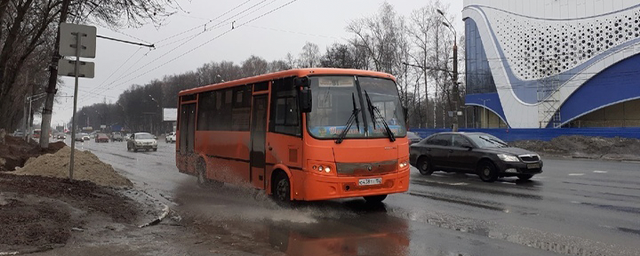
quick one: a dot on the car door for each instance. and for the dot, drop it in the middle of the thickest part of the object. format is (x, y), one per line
(461, 156)
(438, 150)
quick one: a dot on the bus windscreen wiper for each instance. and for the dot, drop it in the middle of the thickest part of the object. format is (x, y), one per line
(373, 111)
(354, 116)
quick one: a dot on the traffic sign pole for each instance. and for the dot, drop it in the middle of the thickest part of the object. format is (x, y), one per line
(75, 104)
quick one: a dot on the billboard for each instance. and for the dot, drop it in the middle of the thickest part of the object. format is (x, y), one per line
(169, 114)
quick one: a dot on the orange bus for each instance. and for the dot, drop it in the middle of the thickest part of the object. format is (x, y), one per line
(304, 134)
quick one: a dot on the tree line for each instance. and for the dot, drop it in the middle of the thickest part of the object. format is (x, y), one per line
(416, 49)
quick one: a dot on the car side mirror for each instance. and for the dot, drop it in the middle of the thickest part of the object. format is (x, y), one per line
(467, 146)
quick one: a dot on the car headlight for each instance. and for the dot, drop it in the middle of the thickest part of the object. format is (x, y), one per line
(508, 158)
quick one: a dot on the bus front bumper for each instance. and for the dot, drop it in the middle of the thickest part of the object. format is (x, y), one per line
(320, 187)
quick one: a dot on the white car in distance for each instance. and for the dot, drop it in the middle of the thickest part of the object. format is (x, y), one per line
(170, 137)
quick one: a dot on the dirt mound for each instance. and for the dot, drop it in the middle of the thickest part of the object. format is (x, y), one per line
(41, 212)
(87, 167)
(14, 152)
(585, 147)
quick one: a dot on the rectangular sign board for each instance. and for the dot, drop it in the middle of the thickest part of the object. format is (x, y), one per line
(67, 67)
(68, 33)
(169, 114)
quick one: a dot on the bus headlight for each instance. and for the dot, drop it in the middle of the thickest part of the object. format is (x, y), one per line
(322, 167)
(403, 164)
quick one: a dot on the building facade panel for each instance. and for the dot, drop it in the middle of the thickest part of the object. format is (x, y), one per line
(540, 52)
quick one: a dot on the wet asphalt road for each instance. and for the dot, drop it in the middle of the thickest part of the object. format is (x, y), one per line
(576, 207)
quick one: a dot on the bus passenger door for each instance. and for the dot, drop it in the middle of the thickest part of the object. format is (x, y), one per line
(258, 139)
(187, 128)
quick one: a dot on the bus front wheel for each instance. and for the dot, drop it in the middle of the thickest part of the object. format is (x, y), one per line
(281, 188)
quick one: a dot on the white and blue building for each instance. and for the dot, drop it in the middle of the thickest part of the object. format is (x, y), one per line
(553, 63)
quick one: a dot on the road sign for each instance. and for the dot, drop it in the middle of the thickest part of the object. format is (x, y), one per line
(169, 114)
(66, 67)
(78, 41)
(68, 40)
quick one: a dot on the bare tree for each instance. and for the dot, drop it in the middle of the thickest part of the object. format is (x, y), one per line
(380, 37)
(254, 66)
(310, 56)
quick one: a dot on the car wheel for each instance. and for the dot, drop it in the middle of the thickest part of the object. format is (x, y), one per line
(155, 149)
(135, 149)
(487, 171)
(281, 189)
(128, 148)
(424, 166)
(375, 199)
(525, 176)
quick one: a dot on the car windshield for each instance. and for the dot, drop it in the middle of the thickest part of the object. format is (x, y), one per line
(487, 141)
(144, 136)
(412, 135)
(336, 97)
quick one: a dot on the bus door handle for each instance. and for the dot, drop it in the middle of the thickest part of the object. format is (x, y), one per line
(269, 146)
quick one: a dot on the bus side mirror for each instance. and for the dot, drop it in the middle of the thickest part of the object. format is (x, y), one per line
(305, 100)
(405, 112)
(301, 82)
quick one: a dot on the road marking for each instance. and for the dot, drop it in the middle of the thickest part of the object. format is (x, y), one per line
(459, 184)
(576, 174)
(597, 171)
(575, 202)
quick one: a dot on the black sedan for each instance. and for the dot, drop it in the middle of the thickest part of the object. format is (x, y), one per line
(478, 153)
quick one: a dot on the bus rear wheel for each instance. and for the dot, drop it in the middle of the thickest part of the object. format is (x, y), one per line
(375, 199)
(281, 189)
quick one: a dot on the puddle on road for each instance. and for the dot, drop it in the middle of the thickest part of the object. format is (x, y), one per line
(246, 219)
(552, 242)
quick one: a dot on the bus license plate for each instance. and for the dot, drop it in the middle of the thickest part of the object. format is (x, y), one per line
(368, 182)
(533, 166)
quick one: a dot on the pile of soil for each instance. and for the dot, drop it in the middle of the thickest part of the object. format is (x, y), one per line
(16, 151)
(87, 167)
(38, 213)
(576, 146)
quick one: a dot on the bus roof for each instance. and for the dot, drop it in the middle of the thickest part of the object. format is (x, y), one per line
(287, 73)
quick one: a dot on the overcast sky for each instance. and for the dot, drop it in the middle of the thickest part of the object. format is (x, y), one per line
(183, 44)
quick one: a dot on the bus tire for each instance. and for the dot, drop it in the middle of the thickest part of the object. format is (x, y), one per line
(375, 199)
(281, 188)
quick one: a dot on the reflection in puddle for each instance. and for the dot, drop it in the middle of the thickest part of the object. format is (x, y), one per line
(366, 234)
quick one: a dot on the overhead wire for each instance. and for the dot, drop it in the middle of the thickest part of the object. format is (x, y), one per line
(175, 48)
(207, 42)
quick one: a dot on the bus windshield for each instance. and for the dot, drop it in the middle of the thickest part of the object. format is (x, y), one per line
(336, 99)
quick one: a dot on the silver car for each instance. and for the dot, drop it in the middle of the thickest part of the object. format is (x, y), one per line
(142, 140)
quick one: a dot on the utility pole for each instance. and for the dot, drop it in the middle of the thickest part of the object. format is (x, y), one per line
(47, 111)
(454, 75)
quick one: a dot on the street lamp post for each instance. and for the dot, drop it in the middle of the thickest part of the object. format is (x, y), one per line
(151, 117)
(454, 75)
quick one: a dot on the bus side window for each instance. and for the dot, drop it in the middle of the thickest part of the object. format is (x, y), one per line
(285, 114)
